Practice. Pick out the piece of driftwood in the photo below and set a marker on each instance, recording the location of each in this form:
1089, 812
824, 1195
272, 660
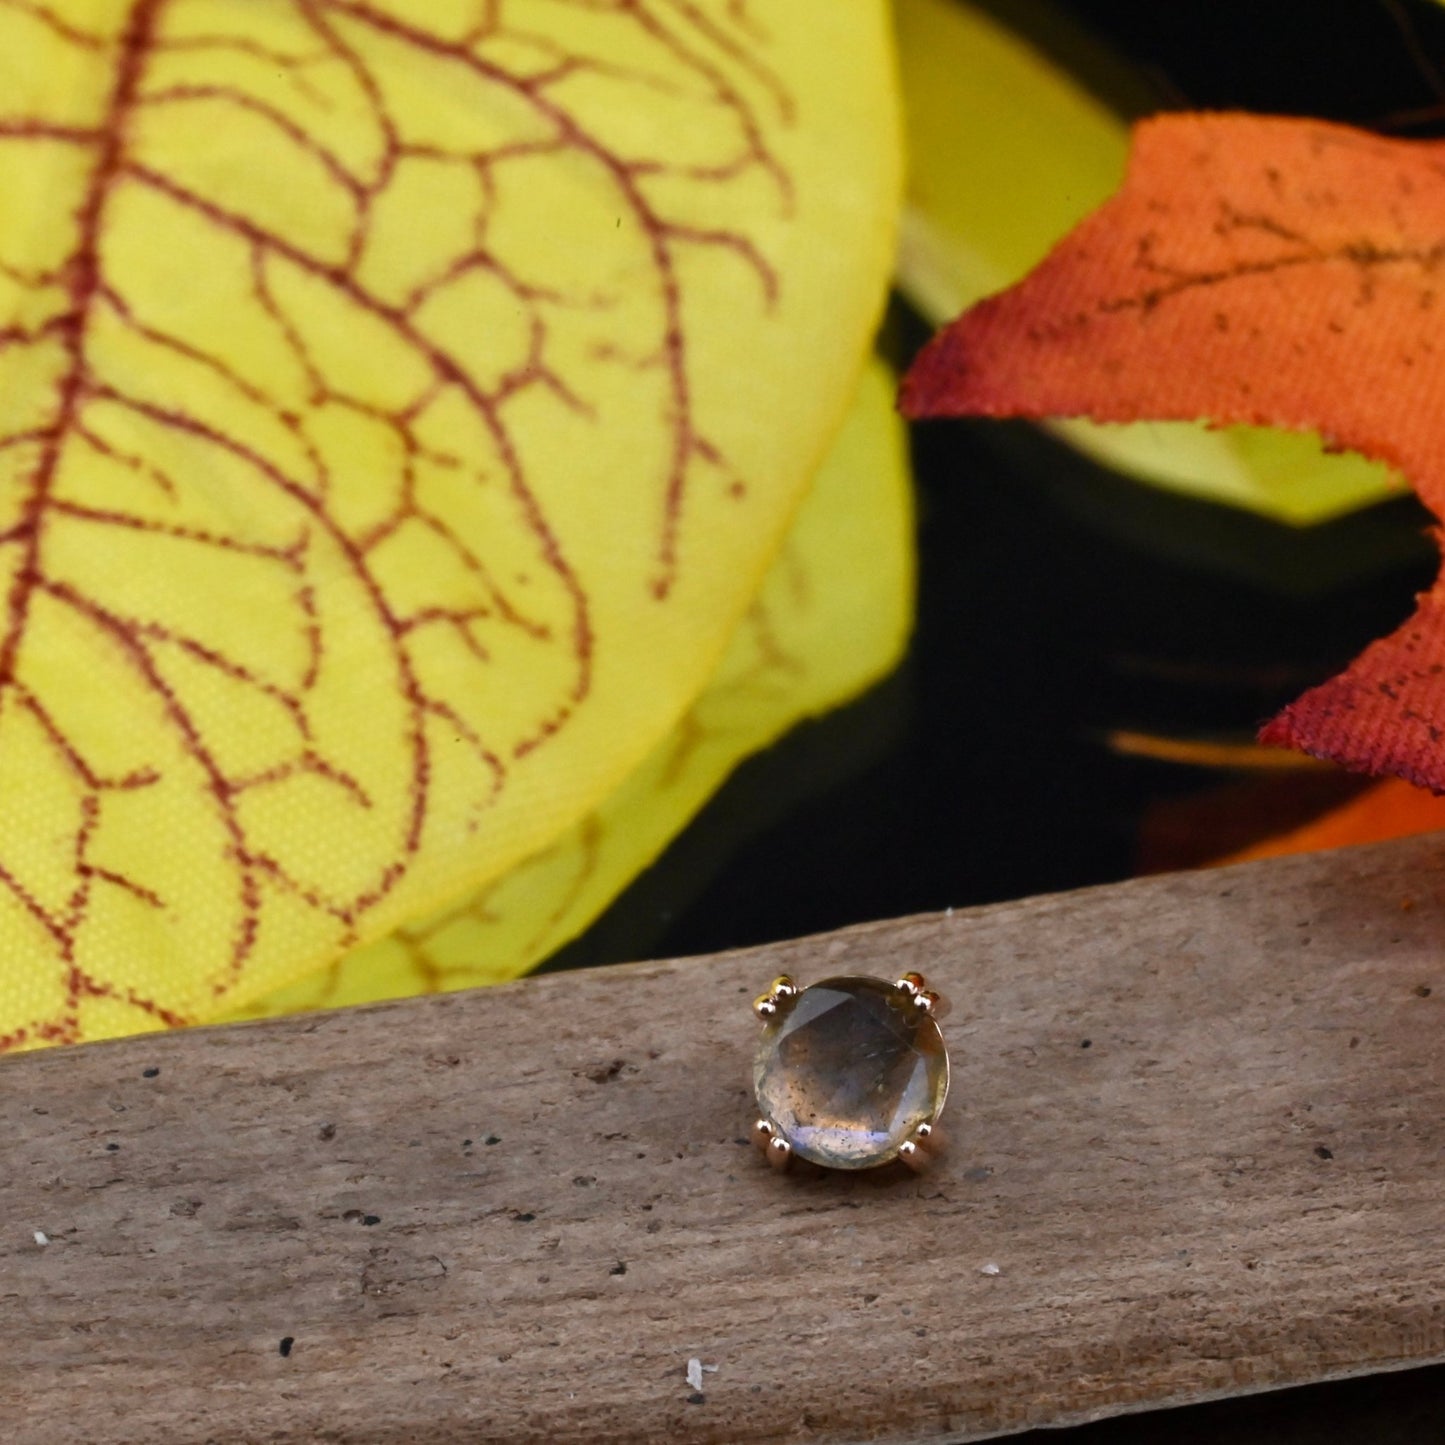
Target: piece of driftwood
1198, 1125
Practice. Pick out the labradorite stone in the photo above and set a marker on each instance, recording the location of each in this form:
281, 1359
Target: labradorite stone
849, 1071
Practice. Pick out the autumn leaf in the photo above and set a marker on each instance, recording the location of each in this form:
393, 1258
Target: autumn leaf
832, 616
1391, 808
400, 407
1280, 272
1006, 152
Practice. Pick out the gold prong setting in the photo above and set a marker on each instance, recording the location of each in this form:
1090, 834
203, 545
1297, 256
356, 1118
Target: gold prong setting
924, 1146
851, 1072
771, 1144
915, 987
775, 998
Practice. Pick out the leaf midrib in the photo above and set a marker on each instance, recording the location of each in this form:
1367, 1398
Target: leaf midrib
82, 272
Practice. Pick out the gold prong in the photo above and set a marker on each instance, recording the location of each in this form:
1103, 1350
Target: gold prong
933, 1004
923, 1148
782, 990
780, 1152
763, 1134
911, 984
930, 1138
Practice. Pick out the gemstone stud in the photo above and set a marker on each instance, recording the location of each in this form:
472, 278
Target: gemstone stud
850, 1073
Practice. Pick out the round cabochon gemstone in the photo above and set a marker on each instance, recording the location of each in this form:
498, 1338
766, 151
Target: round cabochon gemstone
849, 1070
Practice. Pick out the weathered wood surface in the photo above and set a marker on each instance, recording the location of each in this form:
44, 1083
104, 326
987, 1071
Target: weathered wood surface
1198, 1127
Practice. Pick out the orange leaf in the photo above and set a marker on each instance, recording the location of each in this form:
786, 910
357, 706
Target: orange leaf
1388, 809
1262, 271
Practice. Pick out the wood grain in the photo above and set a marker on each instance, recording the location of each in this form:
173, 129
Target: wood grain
1198, 1125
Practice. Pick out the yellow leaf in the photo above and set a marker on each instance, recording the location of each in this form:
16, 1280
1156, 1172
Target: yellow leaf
1007, 153
832, 617
400, 406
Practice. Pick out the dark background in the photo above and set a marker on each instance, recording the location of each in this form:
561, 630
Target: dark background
1058, 605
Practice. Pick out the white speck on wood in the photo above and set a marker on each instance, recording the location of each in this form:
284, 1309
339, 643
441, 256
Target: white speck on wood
989, 1268
41, 1237
694, 1374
